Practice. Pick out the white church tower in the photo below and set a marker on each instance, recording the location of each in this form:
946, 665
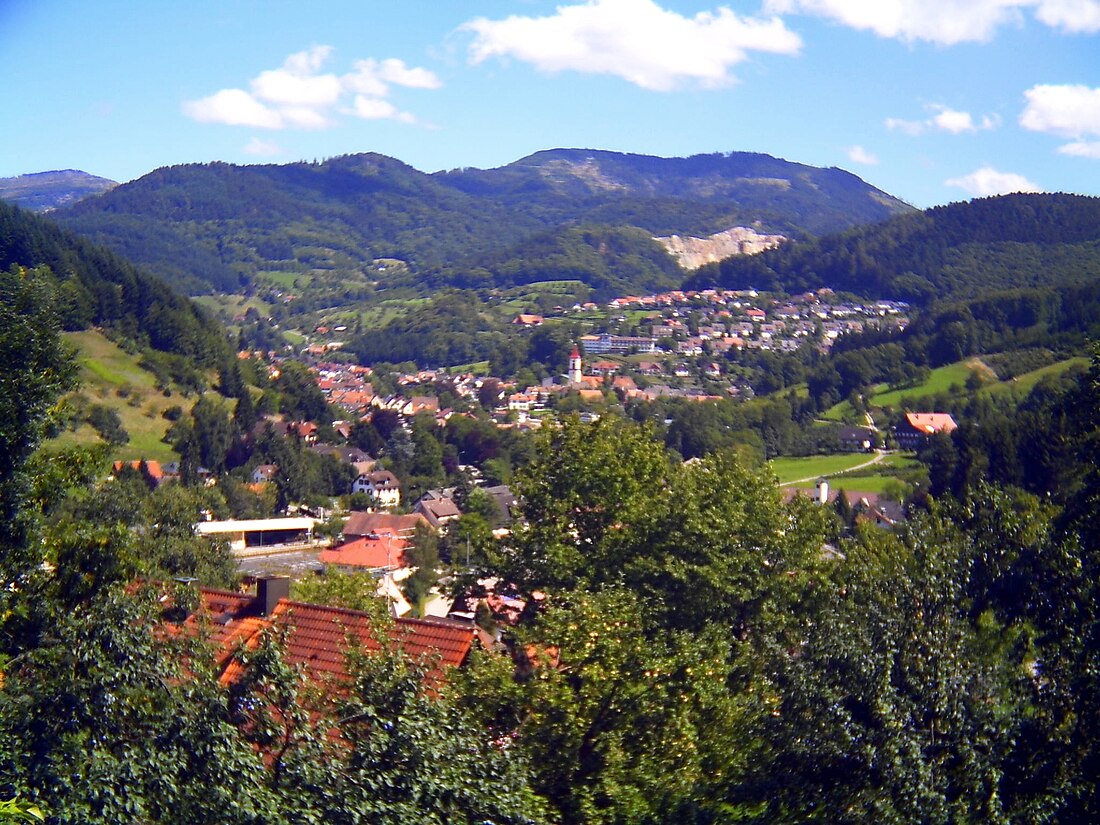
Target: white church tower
575, 366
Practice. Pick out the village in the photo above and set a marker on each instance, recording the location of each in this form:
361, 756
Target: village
673, 344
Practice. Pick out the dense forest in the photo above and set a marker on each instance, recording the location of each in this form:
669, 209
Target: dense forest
95, 287
947, 252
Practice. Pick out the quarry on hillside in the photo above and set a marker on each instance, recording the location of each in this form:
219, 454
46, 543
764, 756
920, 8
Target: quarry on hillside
692, 253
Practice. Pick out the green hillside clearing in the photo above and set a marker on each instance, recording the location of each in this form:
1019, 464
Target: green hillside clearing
111, 377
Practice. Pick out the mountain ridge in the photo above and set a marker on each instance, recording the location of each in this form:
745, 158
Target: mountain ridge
213, 227
46, 191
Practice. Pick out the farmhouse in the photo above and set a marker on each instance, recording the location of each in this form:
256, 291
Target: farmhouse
915, 428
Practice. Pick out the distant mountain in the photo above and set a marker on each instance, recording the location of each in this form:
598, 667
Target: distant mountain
949, 252
698, 195
45, 191
215, 227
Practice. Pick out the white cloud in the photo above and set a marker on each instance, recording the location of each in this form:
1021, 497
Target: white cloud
283, 88
234, 107
374, 78
944, 119
956, 122
396, 72
263, 148
857, 154
1070, 15
298, 95
988, 181
374, 108
309, 61
946, 22
1071, 111
909, 127
1082, 149
636, 40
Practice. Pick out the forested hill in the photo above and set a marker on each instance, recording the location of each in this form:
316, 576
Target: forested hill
97, 288
948, 252
213, 227
701, 194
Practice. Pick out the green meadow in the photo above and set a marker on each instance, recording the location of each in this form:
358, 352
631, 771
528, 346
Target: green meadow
111, 376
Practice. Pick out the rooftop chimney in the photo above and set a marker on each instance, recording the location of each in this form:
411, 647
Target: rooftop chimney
268, 592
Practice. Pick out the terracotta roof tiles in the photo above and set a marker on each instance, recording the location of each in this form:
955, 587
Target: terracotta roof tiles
319, 637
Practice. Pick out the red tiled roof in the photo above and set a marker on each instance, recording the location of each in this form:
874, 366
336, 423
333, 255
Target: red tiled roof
931, 422
152, 467
375, 553
318, 637
362, 524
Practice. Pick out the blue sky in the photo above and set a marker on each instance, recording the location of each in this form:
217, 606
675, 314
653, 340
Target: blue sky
931, 100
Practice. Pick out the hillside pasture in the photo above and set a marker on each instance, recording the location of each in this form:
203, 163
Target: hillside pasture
111, 376
941, 380
1023, 384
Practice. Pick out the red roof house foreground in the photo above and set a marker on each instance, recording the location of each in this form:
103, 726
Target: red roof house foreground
318, 637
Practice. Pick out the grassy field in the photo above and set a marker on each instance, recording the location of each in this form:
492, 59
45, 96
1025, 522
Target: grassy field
476, 368
941, 380
230, 306
1021, 385
285, 280
381, 314
837, 468
112, 377
789, 469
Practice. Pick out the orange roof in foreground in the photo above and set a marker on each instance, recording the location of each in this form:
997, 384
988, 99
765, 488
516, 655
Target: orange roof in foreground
318, 636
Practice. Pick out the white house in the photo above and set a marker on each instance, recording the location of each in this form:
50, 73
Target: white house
382, 484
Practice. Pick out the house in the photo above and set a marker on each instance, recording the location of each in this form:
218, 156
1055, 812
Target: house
527, 320
438, 493
264, 473
604, 367
374, 552
623, 383
348, 455
438, 511
317, 638
306, 430
856, 439
151, 471
382, 484
873, 508
604, 343
418, 404
520, 401
915, 428
361, 524
505, 501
